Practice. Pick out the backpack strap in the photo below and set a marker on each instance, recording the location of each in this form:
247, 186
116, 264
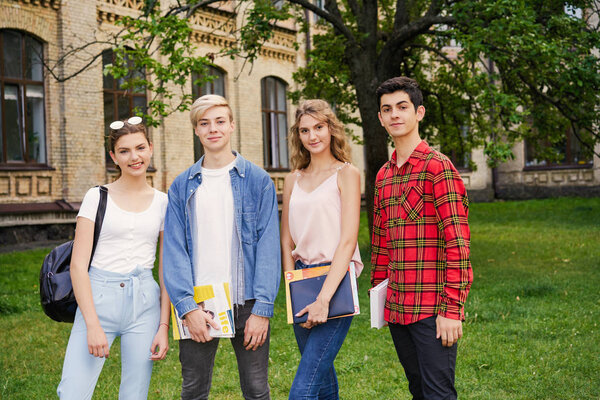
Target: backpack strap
99, 219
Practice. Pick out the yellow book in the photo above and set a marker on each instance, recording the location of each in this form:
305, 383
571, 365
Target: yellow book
215, 299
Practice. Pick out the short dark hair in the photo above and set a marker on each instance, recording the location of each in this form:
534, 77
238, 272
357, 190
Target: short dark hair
404, 84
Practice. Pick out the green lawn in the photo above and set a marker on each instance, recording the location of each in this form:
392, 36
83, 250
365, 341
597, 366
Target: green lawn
531, 331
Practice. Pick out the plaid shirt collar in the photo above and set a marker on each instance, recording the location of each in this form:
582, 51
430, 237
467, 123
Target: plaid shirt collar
419, 153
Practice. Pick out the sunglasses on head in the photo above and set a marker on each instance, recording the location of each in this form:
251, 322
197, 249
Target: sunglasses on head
119, 124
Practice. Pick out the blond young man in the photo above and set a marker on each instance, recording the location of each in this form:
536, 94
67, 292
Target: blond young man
222, 226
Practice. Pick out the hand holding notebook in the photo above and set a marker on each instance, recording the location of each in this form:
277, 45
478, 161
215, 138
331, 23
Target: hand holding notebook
303, 286
305, 292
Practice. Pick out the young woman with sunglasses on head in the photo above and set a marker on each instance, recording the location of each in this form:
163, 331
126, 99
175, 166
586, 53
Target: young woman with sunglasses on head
119, 296
319, 226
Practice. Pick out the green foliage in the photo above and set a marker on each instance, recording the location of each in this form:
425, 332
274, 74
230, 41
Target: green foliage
519, 66
519, 70
534, 263
257, 28
325, 78
160, 46
541, 58
156, 52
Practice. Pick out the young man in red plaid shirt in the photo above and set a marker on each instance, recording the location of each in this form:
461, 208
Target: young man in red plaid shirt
421, 243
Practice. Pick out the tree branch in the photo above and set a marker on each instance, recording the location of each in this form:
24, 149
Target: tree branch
434, 8
408, 32
62, 79
334, 18
401, 17
566, 113
439, 52
189, 9
420, 26
368, 19
575, 131
354, 8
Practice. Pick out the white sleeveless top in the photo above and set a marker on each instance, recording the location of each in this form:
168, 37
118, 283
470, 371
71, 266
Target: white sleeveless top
315, 223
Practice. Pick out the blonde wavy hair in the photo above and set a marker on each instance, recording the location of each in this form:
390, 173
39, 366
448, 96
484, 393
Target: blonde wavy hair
321, 111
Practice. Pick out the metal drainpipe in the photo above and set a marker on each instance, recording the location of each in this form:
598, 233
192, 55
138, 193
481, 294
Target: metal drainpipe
62, 107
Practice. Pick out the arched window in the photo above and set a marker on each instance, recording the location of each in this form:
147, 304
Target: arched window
23, 128
274, 120
119, 103
216, 86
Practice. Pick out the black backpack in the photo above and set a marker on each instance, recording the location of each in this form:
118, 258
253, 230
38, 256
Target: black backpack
56, 289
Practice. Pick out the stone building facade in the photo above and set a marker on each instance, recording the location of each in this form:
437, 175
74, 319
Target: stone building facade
54, 150
42, 184
525, 178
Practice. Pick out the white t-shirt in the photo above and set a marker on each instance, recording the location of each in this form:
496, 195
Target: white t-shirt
127, 239
213, 231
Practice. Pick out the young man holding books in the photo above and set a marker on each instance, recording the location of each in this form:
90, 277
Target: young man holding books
222, 226
421, 243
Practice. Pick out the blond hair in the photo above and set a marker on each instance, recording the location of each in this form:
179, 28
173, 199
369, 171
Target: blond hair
321, 111
202, 104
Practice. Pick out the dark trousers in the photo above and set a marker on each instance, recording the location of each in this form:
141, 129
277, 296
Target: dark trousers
197, 361
428, 365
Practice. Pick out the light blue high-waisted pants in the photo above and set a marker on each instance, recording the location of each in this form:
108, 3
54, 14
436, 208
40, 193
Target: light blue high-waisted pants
127, 306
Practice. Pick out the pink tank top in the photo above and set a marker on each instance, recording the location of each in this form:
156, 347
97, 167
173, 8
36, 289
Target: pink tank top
315, 223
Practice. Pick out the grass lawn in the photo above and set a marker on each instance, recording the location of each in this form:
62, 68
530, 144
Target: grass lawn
531, 330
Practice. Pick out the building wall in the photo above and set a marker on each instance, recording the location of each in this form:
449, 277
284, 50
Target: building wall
516, 181
43, 185
74, 117
479, 181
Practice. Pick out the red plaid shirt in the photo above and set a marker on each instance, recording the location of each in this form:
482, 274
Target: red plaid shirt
421, 237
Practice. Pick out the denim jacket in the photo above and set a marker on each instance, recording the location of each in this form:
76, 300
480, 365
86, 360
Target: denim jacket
256, 257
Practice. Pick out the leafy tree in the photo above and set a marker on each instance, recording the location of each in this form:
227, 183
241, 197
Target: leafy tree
493, 72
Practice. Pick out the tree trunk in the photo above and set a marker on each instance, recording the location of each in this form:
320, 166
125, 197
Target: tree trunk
363, 67
374, 137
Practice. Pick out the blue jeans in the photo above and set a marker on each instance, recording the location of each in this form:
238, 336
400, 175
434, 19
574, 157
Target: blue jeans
127, 306
316, 377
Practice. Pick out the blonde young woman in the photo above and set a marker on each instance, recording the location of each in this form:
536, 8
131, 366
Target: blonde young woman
320, 220
119, 296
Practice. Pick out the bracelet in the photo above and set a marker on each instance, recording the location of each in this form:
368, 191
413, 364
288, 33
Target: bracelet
163, 323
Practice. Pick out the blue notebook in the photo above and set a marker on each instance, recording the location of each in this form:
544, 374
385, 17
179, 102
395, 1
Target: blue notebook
305, 291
